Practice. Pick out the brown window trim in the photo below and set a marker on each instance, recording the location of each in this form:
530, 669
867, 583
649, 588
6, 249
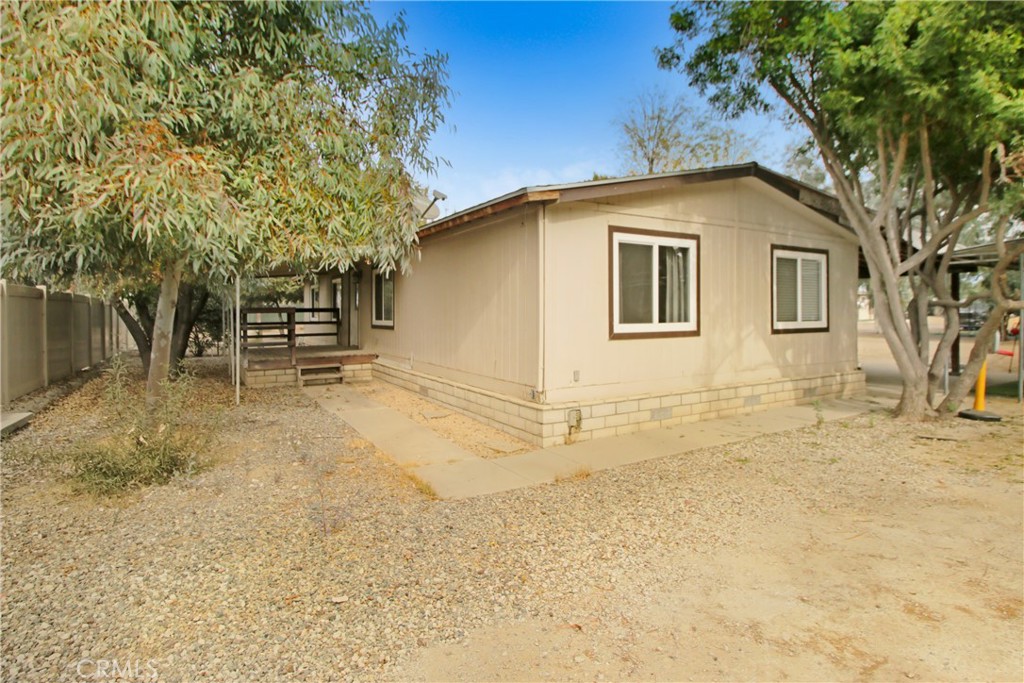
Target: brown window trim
612, 334
828, 291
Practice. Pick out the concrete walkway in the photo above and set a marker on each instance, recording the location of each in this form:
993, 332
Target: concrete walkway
453, 472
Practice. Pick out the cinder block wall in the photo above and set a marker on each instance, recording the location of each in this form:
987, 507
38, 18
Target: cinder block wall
552, 424
258, 377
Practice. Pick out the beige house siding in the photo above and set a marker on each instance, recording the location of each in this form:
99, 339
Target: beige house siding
507, 318
737, 222
469, 309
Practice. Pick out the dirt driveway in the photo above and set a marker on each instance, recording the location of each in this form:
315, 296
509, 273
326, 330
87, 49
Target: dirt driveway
909, 567
902, 563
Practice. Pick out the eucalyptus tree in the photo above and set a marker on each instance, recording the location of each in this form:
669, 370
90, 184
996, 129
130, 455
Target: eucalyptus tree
144, 143
924, 101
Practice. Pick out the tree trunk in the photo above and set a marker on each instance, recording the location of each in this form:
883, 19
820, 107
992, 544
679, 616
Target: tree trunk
142, 342
979, 354
163, 330
191, 302
940, 361
917, 312
142, 312
182, 326
198, 307
889, 313
914, 402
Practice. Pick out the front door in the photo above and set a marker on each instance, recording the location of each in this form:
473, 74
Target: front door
346, 300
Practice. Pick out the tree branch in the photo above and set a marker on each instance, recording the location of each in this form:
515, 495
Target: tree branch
931, 217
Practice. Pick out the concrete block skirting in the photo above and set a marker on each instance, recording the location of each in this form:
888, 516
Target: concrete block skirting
552, 424
272, 377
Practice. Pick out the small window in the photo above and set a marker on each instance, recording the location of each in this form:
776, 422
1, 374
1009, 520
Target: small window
799, 290
653, 284
383, 299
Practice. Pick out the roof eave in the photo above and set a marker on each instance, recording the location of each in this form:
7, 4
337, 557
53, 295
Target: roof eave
518, 198
821, 202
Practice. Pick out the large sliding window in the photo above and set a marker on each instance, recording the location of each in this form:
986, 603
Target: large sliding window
799, 289
654, 284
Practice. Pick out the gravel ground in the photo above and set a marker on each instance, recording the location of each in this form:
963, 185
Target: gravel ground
304, 554
40, 399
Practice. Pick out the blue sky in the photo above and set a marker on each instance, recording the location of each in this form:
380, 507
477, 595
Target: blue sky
538, 87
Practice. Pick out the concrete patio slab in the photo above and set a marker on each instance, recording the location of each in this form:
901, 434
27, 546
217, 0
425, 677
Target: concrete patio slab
538, 467
502, 445
407, 442
704, 434
761, 423
615, 451
469, 478
341, 396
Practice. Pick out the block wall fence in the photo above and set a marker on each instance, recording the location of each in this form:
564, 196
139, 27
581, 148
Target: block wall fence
48, 336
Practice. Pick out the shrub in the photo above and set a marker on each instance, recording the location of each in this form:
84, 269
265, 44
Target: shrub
143, 447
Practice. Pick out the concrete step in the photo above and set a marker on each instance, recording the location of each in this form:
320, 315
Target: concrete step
324, 373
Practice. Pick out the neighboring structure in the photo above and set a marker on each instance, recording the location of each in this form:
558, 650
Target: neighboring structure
591, 309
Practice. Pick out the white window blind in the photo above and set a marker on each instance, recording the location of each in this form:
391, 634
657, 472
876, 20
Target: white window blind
799, 289
786, 289
810, 290
636, 296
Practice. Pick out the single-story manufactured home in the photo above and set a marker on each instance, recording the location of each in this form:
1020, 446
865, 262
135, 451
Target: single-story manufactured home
583, 310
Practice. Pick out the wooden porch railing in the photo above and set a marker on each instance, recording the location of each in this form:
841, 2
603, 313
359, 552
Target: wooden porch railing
282, 331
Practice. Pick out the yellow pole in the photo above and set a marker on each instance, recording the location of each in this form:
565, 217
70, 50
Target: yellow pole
979, 412
979, 388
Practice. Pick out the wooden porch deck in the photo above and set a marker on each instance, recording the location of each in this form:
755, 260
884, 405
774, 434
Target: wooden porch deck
276, 358
273, 353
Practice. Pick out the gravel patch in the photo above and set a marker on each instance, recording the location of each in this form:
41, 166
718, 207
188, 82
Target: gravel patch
304, 554
41, 399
